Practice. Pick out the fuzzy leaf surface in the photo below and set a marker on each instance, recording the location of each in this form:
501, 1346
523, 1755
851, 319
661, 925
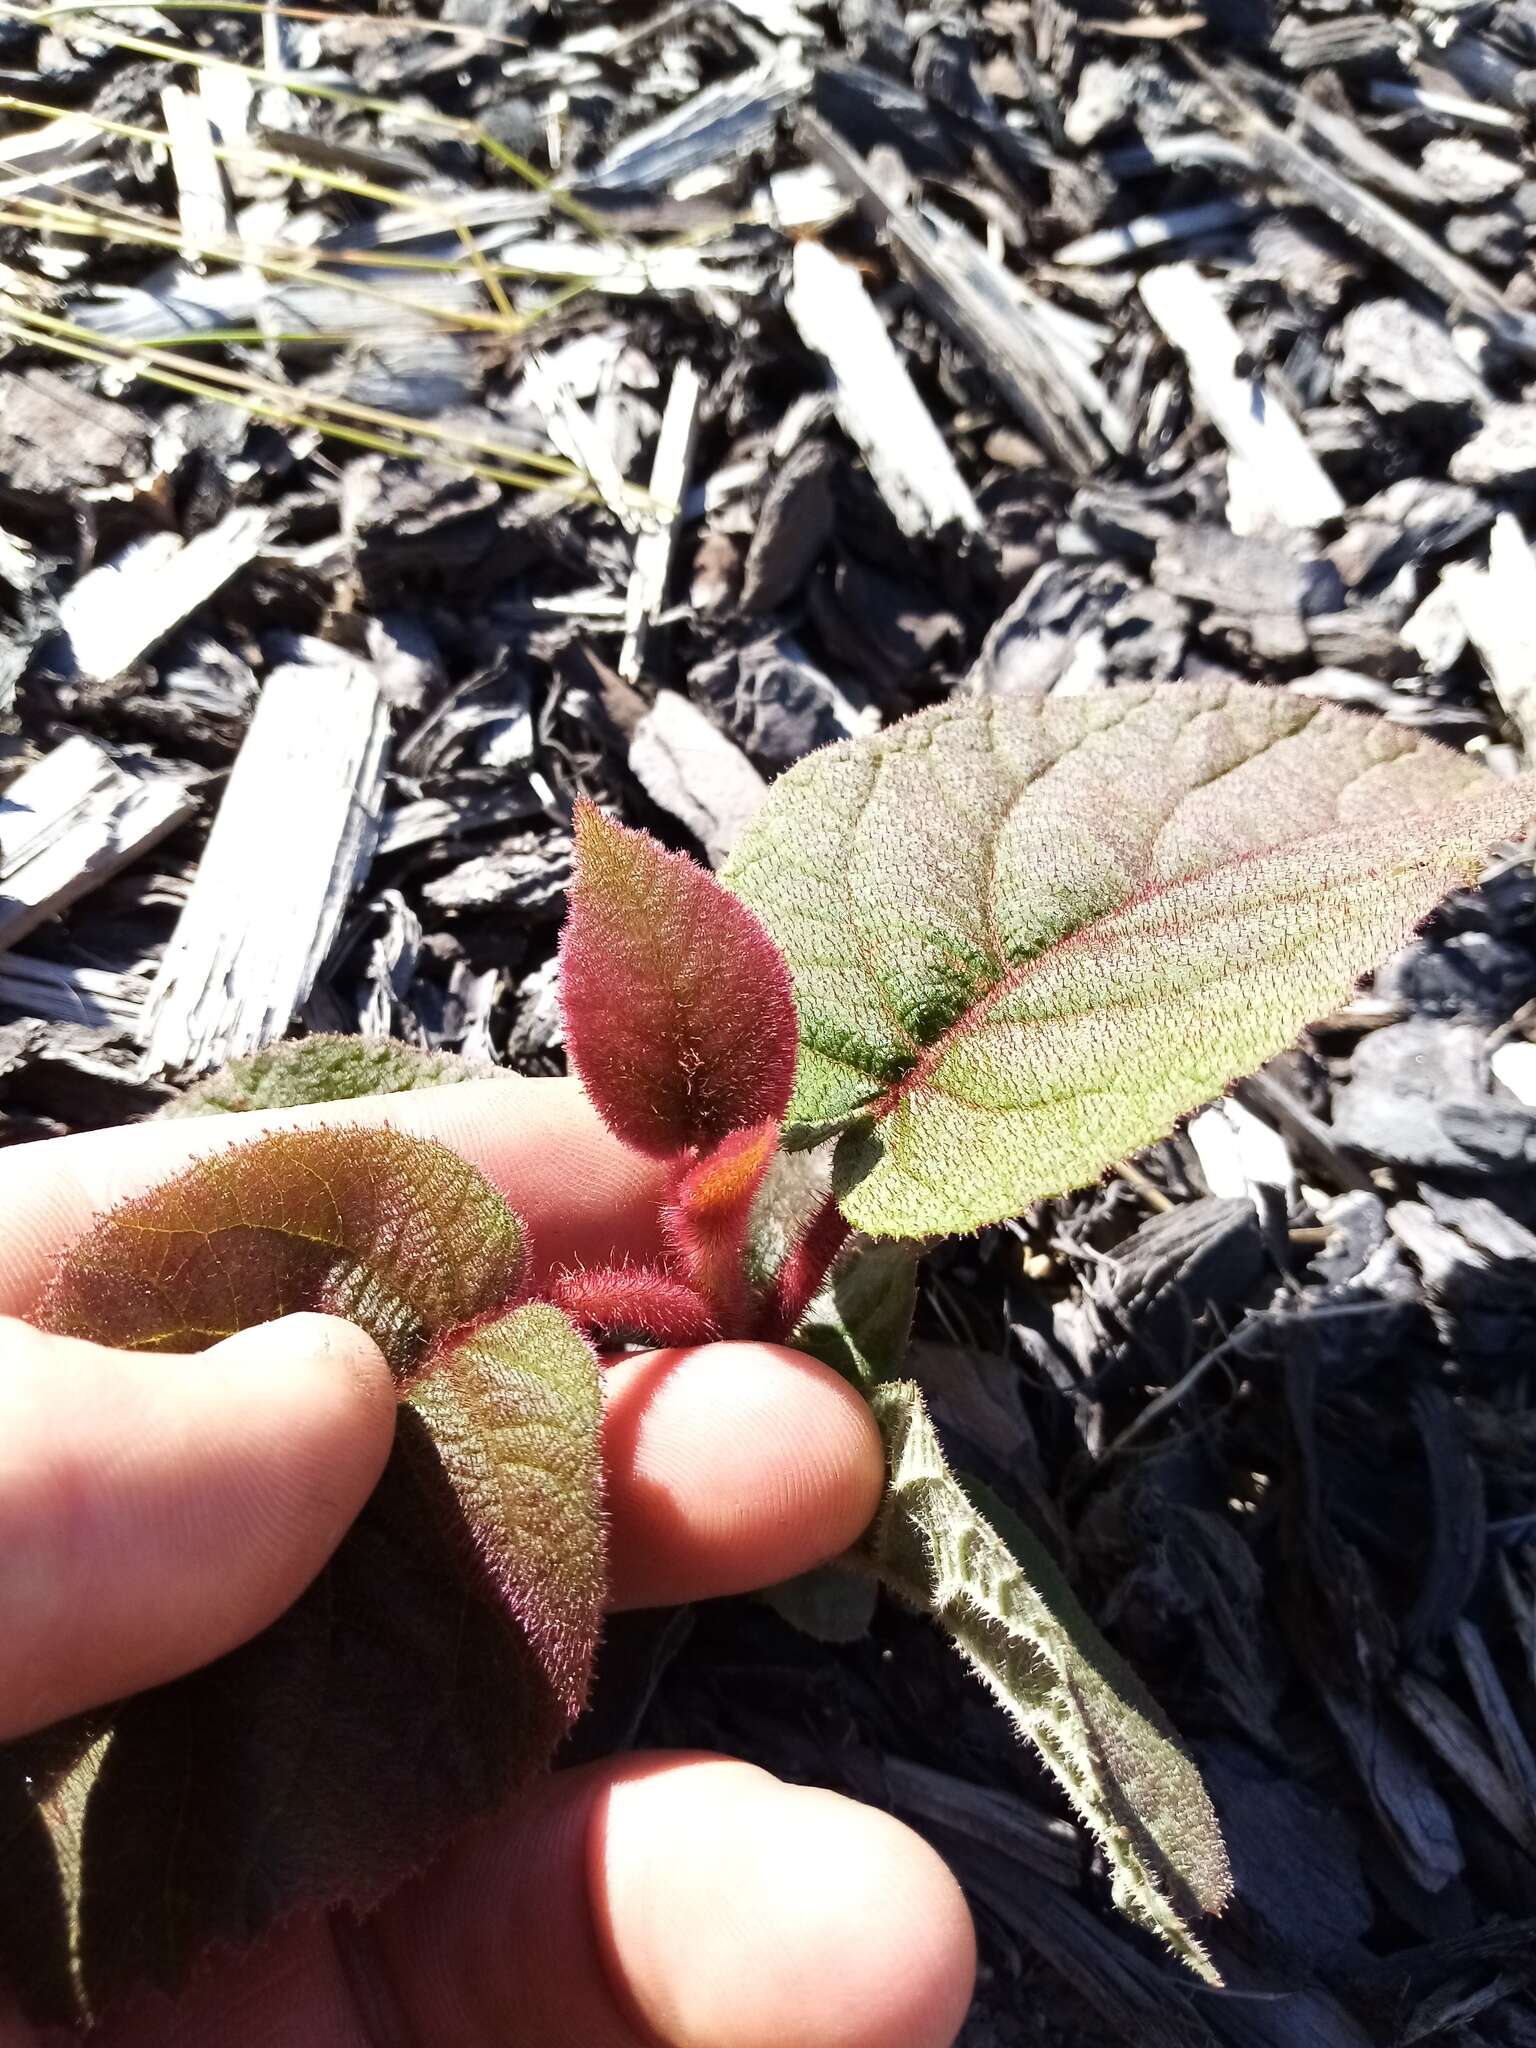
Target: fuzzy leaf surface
439, 1656
679, 1015
393, 1232
861, 1322
636, 1304
997, 1593
1022, 1631
1027, 935
328, 1067
706, 1221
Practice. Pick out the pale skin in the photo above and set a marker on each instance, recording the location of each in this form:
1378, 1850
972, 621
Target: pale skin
156, 1511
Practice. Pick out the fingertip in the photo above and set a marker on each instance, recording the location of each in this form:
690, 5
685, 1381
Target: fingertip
159, 1509
323, 1386
731, 1466
734, 1909
328, 1373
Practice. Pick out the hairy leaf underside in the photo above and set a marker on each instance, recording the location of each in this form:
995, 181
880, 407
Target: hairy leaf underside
1027, 935
999, 1596
324, 1068
1015, 1620
435, 1661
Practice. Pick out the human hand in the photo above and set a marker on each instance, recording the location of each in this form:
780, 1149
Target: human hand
156, 1511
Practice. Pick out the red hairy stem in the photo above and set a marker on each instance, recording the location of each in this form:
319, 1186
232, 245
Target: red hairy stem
808, 1264
706, 1221
636, 1301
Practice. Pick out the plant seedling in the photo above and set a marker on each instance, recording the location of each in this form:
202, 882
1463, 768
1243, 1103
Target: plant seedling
978, 959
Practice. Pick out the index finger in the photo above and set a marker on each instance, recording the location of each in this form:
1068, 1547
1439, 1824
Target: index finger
582, 1195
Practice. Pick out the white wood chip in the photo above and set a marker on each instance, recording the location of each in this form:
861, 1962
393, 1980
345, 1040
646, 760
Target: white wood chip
1388, 92
294, 836
228, 99
116, 613
201, 199
779, 18
1434, 631
1497, 607
18, 564
670, 470
1282, 475
691, 769
876, 400
56, 143
1239, 1153
1514, 1063
70, 822
1153, 230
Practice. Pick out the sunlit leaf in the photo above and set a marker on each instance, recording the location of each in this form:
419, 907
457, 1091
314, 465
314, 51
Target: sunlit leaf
325, 1068
1027, 935
435, 1661
677, 1006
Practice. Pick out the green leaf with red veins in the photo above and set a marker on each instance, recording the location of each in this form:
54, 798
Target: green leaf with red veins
443, 1651
1027, 935
678, 1012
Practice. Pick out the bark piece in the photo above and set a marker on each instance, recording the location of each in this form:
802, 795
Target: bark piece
689, 767
1403, 358
57, 439
1029, 350
1466, 172
1502, 452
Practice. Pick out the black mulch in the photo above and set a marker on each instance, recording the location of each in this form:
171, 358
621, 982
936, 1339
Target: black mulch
1281, 1430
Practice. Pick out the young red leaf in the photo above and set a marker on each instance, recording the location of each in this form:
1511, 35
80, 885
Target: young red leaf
443, 1651
706, 1220
643, 1302
679, 1016
809, 1261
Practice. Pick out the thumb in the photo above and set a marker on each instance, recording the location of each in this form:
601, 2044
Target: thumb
156, 1510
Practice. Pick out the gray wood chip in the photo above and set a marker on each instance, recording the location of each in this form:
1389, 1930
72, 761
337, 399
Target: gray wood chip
71, 822
293, 838
689, 767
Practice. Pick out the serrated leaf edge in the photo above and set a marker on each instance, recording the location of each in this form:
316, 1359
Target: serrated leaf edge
976, 1590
